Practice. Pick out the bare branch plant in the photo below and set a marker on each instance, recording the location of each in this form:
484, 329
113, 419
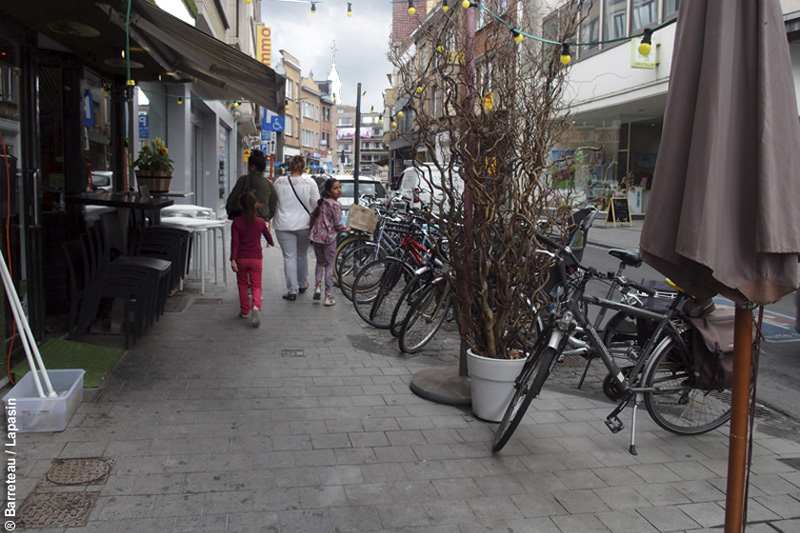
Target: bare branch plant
486, 112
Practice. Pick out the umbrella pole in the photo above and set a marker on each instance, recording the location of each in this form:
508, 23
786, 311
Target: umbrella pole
740, 403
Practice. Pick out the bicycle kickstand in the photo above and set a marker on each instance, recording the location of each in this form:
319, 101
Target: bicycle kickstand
636, 401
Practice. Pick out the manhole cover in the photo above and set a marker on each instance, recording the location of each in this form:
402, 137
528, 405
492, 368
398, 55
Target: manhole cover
57, 509
78, 471
292, 353
208, 301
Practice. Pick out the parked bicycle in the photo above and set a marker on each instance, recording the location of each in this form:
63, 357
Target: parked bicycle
664, 376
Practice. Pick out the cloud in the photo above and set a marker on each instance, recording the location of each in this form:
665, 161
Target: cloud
362, 42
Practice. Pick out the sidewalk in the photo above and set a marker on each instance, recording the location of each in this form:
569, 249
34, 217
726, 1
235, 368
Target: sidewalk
307, 424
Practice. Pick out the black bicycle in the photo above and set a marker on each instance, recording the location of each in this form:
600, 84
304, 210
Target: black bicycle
663, 376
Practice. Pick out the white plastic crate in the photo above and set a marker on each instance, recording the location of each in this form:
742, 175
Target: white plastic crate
35, 414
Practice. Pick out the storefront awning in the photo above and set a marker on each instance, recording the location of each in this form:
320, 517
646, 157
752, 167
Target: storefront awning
162, 47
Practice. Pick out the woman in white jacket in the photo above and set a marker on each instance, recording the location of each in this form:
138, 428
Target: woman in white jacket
297, 197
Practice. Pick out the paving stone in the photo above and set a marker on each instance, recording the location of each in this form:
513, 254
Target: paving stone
666, 519
354, 519
580, 522
708, 514
625, 522
580, 501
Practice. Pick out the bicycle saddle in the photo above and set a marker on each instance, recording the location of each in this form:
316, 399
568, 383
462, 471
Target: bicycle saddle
629, 257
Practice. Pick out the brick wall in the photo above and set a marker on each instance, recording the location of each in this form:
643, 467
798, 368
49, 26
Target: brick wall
403, 23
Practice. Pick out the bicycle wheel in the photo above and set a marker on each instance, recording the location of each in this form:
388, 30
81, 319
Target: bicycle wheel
527, 386
425, 317
353, 261
345, 247
376, 289
413, 290
620, 337
674, 403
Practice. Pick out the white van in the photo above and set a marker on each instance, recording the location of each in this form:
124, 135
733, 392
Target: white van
419, 185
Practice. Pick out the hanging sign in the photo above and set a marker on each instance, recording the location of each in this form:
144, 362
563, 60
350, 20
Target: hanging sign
641, 61
246, 156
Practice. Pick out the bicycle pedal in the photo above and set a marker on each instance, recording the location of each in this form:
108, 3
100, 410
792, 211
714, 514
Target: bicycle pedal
614, 424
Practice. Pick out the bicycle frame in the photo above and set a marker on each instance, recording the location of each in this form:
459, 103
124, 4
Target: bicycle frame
573, 321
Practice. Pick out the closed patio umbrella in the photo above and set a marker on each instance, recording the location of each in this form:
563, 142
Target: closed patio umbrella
722, 216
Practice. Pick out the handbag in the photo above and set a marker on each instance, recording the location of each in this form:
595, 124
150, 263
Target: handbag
289, 178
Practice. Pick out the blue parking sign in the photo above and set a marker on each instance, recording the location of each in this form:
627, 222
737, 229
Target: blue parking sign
144, 126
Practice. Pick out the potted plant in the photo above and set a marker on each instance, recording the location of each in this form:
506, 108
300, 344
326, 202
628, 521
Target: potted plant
154, 167
489, 131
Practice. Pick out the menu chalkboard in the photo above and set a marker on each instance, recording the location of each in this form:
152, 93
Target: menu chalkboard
619, 211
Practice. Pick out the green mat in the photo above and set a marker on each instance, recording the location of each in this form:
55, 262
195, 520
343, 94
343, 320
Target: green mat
97, 361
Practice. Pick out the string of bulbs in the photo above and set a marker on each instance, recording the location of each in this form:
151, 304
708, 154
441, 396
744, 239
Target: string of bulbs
644, 48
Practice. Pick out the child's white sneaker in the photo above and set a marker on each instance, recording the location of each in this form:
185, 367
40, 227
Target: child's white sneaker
329, 300
256, 317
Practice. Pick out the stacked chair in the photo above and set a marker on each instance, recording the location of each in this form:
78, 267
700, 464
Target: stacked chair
102, 267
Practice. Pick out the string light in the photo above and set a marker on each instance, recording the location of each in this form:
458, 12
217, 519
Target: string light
400, 114
565, 55
411, 9
445, 7
236, 104
394, 125
349, 10
380, 119
646, 45
313, 8
419, 89
247, 1
517, 35
180, 101
440, 49
466, 4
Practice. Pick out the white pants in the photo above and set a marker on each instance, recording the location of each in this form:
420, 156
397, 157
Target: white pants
294, 246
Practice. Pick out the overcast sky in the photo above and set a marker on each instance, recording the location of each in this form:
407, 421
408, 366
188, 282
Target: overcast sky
362, 42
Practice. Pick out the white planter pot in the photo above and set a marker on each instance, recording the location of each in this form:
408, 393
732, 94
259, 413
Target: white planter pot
492, 383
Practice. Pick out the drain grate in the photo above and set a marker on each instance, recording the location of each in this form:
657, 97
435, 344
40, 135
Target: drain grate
292, 353
79, 471
208, 301
57, 509
190, 290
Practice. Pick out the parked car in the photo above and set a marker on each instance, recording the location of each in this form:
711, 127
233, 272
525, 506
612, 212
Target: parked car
368, 185
103, 180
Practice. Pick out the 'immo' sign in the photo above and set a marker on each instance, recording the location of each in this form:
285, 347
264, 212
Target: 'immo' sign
264, 44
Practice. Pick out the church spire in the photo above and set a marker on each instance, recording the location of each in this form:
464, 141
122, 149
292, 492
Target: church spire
336, 81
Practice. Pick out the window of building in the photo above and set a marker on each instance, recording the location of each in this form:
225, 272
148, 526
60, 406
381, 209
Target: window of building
345, 122
590, 28
671, 7
644, 14
326, 114
325, 139
288, 127
615, 19
288, 88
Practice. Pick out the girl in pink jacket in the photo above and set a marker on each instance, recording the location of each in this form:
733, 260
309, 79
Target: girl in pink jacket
326, 227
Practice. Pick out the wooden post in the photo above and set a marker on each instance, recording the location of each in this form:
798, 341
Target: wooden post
740, 403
